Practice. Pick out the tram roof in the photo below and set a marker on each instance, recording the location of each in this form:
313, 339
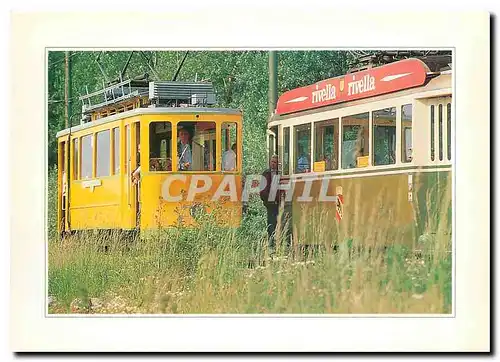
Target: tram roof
154, 110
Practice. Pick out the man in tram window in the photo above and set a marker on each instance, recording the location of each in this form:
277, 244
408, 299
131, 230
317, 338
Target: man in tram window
229, 159
184, 151
272, 206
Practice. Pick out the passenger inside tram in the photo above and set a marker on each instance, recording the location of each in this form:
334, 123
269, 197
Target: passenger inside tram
303, 161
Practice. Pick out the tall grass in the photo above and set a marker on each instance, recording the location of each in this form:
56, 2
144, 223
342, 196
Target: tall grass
217, 270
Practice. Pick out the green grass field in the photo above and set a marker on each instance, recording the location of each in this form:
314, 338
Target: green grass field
216, 270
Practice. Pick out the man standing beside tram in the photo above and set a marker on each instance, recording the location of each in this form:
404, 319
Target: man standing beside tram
271, 202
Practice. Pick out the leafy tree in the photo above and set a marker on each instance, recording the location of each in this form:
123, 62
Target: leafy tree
240, 79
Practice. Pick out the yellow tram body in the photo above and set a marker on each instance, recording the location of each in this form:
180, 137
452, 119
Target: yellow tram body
379, 199
96, 160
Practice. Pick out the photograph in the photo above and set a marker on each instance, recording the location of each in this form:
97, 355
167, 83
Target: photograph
250, 181
204, 179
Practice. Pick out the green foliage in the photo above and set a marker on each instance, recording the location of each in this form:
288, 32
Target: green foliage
240, 79
206, 271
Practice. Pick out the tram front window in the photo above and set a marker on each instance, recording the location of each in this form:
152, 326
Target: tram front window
273, 137
196, 146
160, 146
286, 151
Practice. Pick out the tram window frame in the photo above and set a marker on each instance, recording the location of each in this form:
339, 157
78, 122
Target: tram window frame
272, 142
64, 158
160, 164
433, 151
362, 143
270, 146
128, 152
448, 130
286, 151
375, 127
191, 128
103, 153
440, 130
297, 155
332, 163
87, 151
76, 154
406, 152
116, 150
229, 139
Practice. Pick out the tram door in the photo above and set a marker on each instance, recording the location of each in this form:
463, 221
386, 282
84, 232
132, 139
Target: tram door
433, 189
63, 182
132, 150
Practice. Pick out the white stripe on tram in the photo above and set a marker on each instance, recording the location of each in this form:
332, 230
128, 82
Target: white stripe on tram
368, 174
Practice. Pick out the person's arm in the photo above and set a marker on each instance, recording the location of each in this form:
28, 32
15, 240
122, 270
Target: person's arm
136, 174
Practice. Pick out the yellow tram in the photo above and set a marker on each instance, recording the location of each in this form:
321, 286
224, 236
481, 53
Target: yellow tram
381, 142
139, 149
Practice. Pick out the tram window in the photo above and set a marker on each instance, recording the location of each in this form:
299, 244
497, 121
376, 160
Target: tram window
62, 147
128, 170
193, 146
286, 151
87, 154
448, 129
384, 136
229, 159
273, 142
355, 141
270, 145
432, 132
116, 150
277, 149
406, 136
75, 159
103, 154
440, 132
302, 151
326, 135
160, 146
